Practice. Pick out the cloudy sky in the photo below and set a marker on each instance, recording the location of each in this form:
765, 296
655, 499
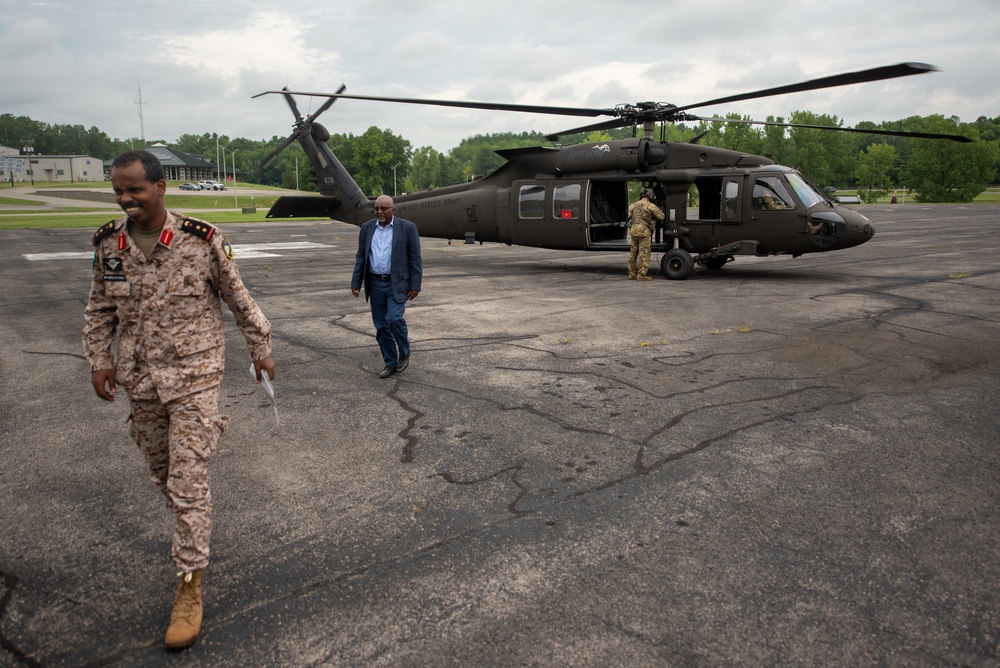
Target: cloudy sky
82, 62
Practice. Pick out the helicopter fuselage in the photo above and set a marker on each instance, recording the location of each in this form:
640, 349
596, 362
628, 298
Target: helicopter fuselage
717, 203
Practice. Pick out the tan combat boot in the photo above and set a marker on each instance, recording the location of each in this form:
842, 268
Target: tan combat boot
185, 621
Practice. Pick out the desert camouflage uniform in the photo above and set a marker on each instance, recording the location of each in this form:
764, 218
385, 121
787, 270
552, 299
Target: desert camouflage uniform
166, 313
644, 215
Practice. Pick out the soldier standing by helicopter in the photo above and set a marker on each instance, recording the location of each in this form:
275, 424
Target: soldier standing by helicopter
643, 215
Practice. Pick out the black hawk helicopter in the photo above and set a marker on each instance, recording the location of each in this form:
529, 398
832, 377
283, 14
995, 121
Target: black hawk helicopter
576, 197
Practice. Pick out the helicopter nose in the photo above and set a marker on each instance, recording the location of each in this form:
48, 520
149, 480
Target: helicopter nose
859, 228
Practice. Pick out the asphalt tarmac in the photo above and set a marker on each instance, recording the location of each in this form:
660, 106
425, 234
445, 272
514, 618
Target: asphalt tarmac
787, 462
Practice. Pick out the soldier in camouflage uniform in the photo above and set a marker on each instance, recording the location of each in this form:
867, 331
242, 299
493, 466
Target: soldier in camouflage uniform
158, 279
644, 215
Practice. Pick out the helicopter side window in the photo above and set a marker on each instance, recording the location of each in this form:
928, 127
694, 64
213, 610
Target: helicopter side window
531, 202
730, 199
770, 193
566, 201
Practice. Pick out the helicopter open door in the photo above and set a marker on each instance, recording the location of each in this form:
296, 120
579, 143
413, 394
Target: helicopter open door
549, 214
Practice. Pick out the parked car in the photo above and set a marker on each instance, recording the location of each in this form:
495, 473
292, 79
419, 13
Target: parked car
190, 186
211, 185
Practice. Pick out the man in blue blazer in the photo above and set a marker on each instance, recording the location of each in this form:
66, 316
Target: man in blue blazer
388, 264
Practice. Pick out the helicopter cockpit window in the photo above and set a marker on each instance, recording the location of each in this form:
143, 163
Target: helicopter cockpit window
531, 202
770, 193
566, 201
804, 190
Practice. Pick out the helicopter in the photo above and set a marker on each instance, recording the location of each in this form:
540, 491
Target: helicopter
576, 197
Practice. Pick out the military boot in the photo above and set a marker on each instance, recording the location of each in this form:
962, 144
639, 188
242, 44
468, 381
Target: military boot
185, 621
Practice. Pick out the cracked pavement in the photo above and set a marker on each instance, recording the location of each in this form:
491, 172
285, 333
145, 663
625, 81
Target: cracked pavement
787, 462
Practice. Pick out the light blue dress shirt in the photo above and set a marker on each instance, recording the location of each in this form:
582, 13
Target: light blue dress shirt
380, 260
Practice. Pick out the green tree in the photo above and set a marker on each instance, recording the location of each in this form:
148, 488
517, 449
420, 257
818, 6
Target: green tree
742, 137
989, 130
873, 172
947, 171
477, 155
822, 156
774, 143
200, 145
425, 170
370, 158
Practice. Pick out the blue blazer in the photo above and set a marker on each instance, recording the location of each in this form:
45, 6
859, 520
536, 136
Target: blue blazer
407, 270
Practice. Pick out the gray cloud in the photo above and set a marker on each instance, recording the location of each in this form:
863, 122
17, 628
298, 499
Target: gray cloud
200, 63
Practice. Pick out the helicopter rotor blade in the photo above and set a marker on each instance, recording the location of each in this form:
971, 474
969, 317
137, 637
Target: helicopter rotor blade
863, 76
628, 114
326, 105
461, 104
291, 103
274, 154
890, 133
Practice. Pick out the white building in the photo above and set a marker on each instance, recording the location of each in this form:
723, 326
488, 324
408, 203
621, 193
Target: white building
49, 168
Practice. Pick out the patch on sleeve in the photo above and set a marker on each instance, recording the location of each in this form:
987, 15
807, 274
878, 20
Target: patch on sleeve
228, 247
104, 231
113, 264
198, 228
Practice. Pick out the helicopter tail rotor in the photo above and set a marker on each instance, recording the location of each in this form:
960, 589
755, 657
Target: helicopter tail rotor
304, 127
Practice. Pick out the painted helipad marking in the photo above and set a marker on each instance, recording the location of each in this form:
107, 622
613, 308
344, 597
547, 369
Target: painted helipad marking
241, 252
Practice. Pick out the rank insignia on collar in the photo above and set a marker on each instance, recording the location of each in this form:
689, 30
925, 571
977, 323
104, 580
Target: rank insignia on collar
198, 228
113, 264
166, 237
122, 241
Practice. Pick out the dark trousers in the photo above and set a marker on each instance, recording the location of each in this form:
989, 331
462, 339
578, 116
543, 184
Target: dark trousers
390, 327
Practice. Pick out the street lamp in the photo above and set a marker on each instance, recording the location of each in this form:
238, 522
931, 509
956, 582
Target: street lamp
233, 153
29, 151
394, 179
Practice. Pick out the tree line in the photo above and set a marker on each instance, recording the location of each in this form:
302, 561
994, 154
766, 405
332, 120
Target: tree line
384, 162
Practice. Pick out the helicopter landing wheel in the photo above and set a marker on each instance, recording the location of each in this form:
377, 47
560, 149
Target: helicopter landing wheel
716, 263
677, 264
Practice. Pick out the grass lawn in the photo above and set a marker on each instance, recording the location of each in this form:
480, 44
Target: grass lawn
216, 207
16, 201
95, 220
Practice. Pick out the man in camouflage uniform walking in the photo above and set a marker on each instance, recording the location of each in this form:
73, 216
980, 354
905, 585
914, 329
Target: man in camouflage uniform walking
644, 215
158, 279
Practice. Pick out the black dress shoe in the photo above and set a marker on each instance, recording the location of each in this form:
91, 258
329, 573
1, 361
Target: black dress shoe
403, 363
388, 371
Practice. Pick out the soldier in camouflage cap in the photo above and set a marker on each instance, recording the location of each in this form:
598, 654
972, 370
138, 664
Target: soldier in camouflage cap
158, 280
644, 215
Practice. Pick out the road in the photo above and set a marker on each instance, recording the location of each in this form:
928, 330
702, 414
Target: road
788, 462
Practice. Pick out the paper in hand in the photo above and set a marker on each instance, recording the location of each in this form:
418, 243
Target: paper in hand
265, 382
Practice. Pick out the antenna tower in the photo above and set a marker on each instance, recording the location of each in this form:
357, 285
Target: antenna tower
138, 105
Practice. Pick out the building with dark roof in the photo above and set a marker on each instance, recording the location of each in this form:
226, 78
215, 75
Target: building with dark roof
178, 166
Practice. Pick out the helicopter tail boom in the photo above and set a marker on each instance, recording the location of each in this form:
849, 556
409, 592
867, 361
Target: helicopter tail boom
342, 198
